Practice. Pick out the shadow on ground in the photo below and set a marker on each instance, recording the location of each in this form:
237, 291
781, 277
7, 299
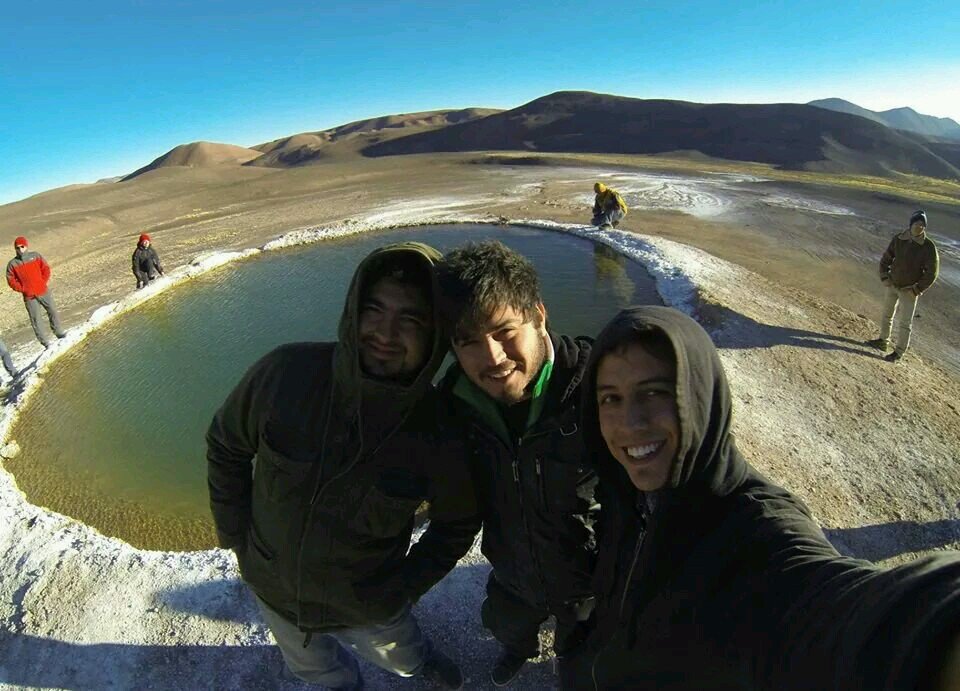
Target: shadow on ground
16, 387
449, 615
731, 329
879, 542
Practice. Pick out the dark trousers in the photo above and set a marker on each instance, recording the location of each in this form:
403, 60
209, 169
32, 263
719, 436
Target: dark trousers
45, 302
515, 623
512, 621
7, 360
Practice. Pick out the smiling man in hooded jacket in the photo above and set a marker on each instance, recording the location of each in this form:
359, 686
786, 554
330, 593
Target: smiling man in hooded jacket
346, 450
711, 577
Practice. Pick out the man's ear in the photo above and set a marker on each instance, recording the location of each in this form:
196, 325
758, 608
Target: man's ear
541, 320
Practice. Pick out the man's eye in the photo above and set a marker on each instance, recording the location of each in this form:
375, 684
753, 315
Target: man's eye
607, 399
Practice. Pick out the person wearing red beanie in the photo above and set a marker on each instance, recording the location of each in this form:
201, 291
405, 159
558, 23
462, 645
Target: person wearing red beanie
28, 274
146, 262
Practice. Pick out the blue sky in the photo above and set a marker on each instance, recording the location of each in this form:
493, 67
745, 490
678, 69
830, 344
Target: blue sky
95, 89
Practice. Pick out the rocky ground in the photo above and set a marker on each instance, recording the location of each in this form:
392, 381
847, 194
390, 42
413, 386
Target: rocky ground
872, 447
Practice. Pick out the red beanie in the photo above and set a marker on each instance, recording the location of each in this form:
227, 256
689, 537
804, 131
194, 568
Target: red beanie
20, 241
143, 236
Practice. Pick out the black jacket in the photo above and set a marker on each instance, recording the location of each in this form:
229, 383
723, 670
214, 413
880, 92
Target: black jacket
146, 263
537, 495
322, 518
723, 580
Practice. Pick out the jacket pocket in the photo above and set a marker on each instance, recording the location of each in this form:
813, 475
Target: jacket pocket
284, 461
383, 516
256, 560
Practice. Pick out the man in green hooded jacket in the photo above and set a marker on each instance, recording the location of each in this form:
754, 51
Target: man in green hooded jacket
317, 464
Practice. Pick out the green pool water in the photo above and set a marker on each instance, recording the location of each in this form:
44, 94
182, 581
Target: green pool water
115, 436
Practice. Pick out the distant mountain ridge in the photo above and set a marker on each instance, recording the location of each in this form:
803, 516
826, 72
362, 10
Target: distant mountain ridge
898, 118
788, 135
310, 147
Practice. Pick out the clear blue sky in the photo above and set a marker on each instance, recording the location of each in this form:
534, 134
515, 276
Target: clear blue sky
92, 89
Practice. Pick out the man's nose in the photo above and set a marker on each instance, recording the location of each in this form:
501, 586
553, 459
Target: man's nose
492, 351
388, 326
636, 416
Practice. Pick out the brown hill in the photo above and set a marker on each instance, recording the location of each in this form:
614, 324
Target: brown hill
349, 139
787, 135
199, 155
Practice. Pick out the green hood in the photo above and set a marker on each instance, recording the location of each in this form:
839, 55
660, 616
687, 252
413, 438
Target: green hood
350, 386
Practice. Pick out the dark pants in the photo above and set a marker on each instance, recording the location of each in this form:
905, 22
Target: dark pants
144, 279
515, 623
46, 302
512, 621
7, 360
611, 216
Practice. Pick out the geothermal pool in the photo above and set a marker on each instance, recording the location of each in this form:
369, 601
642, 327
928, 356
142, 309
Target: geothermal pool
115, 435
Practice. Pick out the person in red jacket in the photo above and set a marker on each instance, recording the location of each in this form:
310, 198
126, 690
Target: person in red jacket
28, 274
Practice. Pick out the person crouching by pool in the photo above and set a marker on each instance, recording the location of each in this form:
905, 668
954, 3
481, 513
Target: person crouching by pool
711, 577
146, 262
346, 451
608, 207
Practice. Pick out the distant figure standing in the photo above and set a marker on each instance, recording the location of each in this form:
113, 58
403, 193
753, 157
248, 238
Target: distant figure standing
146, 263
608, 207
28, 273
908, 267
7, 361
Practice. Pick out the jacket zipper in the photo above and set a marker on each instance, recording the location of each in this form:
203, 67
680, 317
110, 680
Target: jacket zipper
541, 483
321, 486
623, 601
633, 565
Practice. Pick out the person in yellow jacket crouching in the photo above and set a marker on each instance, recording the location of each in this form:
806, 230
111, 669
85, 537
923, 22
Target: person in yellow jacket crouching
608, 207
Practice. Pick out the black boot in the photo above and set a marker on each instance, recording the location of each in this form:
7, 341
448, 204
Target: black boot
443, 671
507, 667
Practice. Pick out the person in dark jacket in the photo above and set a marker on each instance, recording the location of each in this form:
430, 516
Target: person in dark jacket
146, 262
513, 393
28, 273
909, 266
711, 577
347, 448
